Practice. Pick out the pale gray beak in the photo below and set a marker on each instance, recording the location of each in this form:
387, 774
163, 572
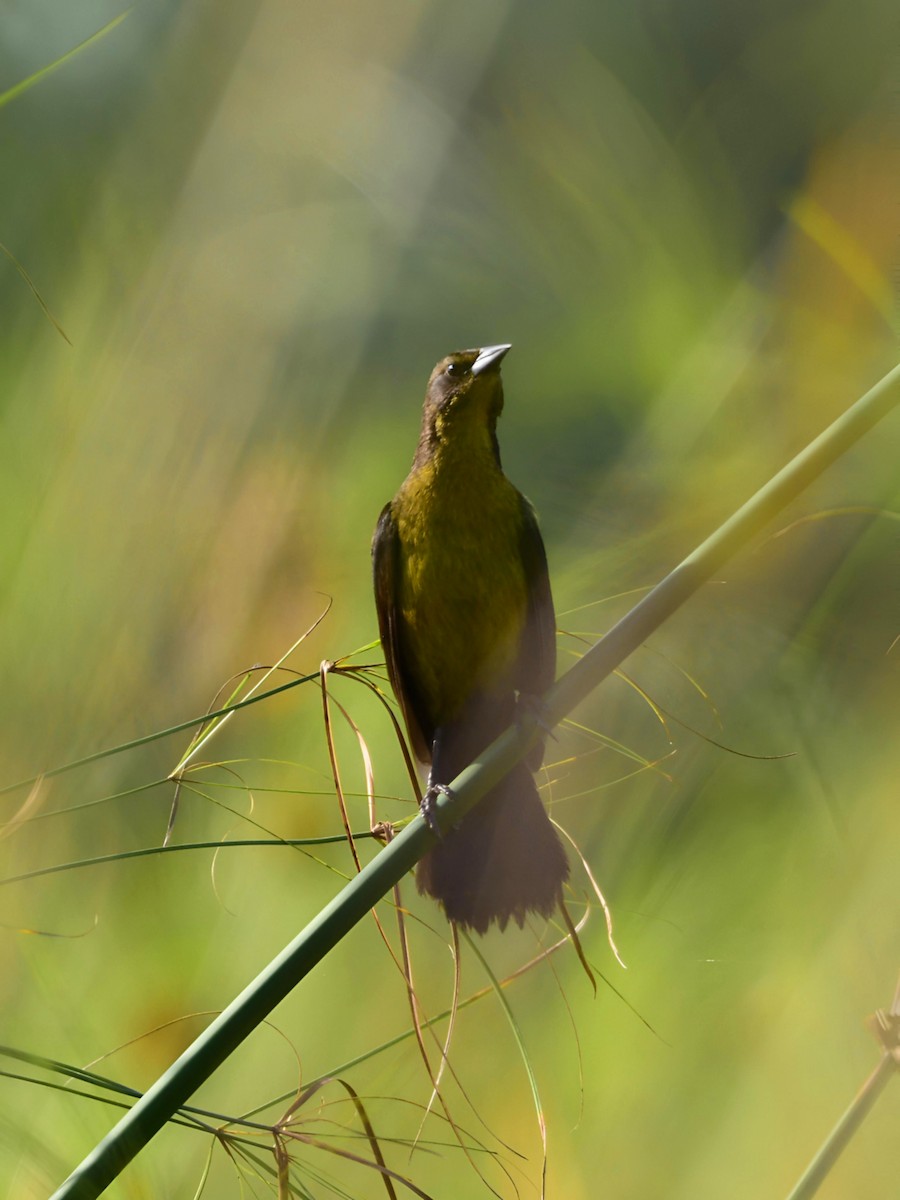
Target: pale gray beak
489, 356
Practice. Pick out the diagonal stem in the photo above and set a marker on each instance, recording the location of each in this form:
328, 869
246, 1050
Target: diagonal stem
254, 1004
840, 1136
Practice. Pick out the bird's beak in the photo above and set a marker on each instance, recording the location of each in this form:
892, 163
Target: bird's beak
489, 356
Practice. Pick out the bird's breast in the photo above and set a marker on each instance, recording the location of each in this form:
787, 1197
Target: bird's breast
463, 594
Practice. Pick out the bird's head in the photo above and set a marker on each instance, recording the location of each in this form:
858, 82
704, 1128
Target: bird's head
464, 399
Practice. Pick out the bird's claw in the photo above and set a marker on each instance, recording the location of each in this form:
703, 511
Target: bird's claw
428, 805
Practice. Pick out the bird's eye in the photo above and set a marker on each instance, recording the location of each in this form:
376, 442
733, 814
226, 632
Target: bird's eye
455, 368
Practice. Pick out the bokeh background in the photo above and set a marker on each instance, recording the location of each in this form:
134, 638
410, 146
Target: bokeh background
260, 224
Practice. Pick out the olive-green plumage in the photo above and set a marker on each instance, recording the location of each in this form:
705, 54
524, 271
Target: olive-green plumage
466, 619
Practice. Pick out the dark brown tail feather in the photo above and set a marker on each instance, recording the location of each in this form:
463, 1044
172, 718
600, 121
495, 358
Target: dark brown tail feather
504, 859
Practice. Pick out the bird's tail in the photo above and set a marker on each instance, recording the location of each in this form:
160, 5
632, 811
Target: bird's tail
503, 860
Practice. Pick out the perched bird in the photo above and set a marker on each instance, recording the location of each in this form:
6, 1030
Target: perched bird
467, 624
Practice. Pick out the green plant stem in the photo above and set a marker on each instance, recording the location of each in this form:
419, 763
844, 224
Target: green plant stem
14, 92
831, 1149
707, 559
135, 743
153, 851
254, 1004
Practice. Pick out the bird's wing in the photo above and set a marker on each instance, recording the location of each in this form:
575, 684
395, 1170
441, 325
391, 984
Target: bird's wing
385, 565
536, 668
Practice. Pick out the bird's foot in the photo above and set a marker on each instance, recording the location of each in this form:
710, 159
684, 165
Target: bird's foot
428, 805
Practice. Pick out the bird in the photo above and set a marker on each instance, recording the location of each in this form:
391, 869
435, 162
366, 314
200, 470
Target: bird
467, 624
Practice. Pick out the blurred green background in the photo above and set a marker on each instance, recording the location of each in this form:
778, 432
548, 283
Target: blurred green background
260, 224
